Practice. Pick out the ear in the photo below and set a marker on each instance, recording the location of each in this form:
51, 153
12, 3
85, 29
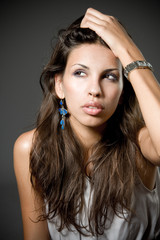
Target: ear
59, 86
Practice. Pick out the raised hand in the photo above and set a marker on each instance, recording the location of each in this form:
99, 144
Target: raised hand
113, 33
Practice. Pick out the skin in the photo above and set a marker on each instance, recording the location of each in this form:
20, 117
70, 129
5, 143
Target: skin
96, 88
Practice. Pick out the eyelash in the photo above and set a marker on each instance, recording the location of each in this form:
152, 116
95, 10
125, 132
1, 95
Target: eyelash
78, 72
114, 76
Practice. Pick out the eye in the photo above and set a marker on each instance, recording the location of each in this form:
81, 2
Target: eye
111, 76
79, 73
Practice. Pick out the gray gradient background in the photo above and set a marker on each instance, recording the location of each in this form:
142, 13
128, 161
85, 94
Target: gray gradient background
27, 29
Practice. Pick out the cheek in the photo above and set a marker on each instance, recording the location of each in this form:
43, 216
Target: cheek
73, 94
71, 90
114, 94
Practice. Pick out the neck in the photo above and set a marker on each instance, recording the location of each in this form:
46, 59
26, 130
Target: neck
88, 135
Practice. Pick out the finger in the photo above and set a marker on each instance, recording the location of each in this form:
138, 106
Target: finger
93, 19
99, 29
108, 18
96, 13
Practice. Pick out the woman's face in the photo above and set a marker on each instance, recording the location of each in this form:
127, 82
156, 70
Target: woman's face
91, 85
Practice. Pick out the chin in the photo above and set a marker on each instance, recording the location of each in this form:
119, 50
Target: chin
90, 122
95, 124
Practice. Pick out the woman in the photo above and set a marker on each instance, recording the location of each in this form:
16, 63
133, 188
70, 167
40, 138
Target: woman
89, 169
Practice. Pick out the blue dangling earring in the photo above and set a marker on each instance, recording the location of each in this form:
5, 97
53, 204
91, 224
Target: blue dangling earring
63, 112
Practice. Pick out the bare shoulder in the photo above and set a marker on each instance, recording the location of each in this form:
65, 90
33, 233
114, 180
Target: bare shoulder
21, 150
24, 141
147, 161
147, 147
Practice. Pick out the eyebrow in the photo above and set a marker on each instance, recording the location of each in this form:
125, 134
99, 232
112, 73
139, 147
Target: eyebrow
81, 65
106, 70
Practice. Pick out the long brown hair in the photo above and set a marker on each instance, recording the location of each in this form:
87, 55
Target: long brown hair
57, 167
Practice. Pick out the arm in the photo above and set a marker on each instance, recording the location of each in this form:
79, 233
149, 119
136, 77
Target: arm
142, 80
32, 230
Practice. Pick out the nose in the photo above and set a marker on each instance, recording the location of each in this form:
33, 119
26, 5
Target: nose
95, 91
94, 94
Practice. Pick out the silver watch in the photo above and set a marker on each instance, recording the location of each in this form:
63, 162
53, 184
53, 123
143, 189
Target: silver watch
136, 64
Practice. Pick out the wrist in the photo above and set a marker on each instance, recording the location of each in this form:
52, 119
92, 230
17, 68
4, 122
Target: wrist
129, 55
137, 65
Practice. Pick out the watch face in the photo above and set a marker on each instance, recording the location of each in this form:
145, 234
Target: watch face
132, 66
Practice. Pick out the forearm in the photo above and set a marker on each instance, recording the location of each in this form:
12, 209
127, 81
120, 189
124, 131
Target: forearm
147, 90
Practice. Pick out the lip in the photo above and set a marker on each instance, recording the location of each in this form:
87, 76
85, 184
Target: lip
93, 108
